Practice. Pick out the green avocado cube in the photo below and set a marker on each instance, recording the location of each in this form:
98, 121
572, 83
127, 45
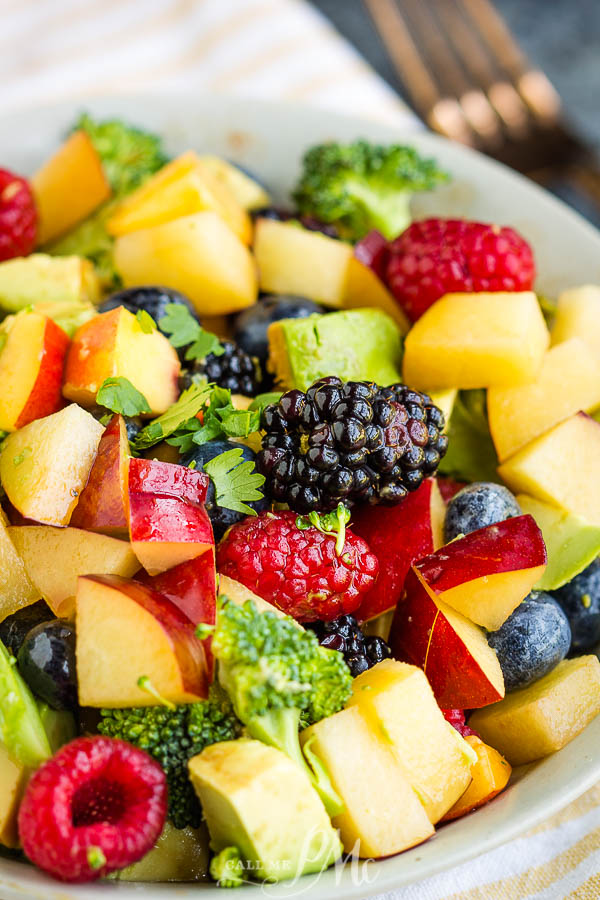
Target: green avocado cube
354, 344
21, 728
39, 278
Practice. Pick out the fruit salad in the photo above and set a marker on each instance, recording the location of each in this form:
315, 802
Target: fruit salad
300, 512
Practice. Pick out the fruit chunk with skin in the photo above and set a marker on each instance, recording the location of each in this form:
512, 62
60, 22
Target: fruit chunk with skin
477, 506
44, 279
470, 341
355, 345
461, 667
363, 288
55, 557
399, 706
540, 470
487, 573
490, 775
168, 523
540, 719
32, 354
179, 854
125, 631
403, 534
114, 344
68, 187
578, 315
382, 813
104, 502
256, 799
13, 781
568, 381
18, 589
197, 255
45, 465
571, 542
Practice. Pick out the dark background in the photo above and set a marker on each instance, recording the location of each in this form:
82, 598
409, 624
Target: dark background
562, 37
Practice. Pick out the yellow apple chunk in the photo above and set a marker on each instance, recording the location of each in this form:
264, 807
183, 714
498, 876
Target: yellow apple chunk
578, 315
562, 467
198, 255
399, 704
114, 344
538, 720
13, 781
382, 814
248, 192
55, 557
45, 465
476, 341
17, 588
68, 187
363, 288
490, 776
568, 381
237, 593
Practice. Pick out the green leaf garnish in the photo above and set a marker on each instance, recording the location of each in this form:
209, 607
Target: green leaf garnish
236, 482
261, 401
181, 413
185, 331
146, 322
120, 396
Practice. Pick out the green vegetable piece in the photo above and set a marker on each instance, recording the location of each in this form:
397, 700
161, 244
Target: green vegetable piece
471, 455
227, 868
59, 725
145, 321
21, 727
354, 344
363, 186
182, 413
69, 316
41, 279
180, 854
236, 482
185, 331
120, 396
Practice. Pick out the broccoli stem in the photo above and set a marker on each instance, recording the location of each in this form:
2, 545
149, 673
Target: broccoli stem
388, 211
279, 728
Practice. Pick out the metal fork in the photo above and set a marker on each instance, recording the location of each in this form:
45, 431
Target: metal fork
467, 78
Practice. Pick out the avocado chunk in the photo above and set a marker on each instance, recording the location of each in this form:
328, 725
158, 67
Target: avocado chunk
40, 278
571, 542
59, 725
68, 315
178, 855
354, 344
21, 728
257, 799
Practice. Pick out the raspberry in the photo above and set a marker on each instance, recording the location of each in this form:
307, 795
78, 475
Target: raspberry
98, 805
299, 569
18, 216
456, 717
439, 256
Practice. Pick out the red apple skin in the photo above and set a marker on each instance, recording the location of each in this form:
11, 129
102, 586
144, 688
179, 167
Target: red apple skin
153, 517
104, 502
507, 546
46, 397
151, 476
14, 516
449, 487
422, 635
397, 536
188, 650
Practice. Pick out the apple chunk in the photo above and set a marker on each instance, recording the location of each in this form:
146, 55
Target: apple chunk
487, 573
114, 344
18, 589
126, 631
31, 368
55, 557
13, 781
578, 315
407, 532
462, 668
103, 504
382, 813
45, 465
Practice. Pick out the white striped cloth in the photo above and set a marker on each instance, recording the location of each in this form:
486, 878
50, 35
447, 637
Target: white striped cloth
275, 49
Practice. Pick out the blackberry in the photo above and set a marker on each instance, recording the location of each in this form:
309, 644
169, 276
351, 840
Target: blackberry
233, 369
344, 634
352, 441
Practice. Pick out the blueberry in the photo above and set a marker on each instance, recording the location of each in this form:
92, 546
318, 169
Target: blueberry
580, 600
14, 628
477, 506
46, 661
250, 327
532, 641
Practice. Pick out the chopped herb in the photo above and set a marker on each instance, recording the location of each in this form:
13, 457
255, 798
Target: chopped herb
236, 482
261, 401
146, 322
120, 396
185, 331
180, 415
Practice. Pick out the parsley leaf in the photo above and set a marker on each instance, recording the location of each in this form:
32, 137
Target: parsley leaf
120, 396
261, 401
235, 481
181, 413
220, 420
185, 331
145, 320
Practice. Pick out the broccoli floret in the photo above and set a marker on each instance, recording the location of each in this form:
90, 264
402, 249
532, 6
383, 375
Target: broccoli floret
172, 736
129, 155
227, 869
279, 679
362, 186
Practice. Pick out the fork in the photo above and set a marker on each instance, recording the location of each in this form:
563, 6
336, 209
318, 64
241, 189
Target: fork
468, 79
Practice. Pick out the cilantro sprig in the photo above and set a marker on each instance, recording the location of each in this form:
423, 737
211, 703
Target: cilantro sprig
236, 482
177, 416
184, 330
120, 396
220, 419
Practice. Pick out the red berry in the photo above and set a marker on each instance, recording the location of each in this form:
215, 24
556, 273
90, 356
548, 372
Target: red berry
18, 216
439, 256
456, 717
298, 570
98, 805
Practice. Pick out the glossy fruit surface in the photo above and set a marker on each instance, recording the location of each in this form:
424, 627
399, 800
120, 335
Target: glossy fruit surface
46, 661
14, 628
18, 216
477, 506
580, 601
250, 326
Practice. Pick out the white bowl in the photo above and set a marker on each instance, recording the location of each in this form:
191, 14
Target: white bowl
270, 139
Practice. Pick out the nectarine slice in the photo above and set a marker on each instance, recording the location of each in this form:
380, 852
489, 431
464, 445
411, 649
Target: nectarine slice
18, 589
490, 775
104, 502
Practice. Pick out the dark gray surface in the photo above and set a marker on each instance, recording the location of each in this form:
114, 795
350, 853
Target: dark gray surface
562, 37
